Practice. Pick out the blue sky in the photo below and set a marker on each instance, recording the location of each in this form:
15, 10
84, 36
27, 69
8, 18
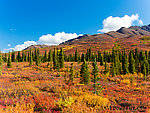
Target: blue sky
28, 20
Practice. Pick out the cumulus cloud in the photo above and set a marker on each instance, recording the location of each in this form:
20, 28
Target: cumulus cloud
114, 23
20, 47
46, 40
56, 39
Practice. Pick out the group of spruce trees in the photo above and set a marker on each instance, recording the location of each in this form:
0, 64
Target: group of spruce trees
116, 62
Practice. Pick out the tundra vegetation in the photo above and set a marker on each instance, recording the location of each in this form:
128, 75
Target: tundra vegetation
53, 82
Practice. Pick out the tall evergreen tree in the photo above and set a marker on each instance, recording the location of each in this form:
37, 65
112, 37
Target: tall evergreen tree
145, 67
76, 55
23, 56
37, 58
95, 73
70, 58
13, 56
136, 57
35, 55
101, 61
90, 54
9, 61
19, 57
141, 56
125, 65
5, 57
87, 55
50, 57
131, 64
55, 60
45, 57
30, 58
82, 57
117, 64
61, 58
113, 69
146, 54
85, 75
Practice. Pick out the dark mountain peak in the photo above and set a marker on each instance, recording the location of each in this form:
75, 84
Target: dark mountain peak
124, 30
36, 47
79, 37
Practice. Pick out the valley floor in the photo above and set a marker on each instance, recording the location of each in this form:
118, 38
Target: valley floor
25, 89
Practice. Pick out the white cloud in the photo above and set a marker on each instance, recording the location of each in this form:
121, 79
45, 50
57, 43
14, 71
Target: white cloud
56, 39
46, 40
20, 47
115, 23
9, 45
7, 50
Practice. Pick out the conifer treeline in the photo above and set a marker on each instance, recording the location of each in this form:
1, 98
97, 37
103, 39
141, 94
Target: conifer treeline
116, 62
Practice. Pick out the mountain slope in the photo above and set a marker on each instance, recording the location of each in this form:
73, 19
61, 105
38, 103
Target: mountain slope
129, 38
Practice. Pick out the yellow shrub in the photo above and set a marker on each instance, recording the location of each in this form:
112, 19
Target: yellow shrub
96, 101
65, 102
125, 81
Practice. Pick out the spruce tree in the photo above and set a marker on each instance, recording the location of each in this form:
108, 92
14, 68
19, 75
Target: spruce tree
55, 60
95, 73
145, 67
90, 54
19, 57
79, 58
82, 57
87, 55
136, 57
131, 64
65, 58
85, 75
30, 58
23, 56
101, 61
125, 65
35, 55
136, 54
61, 58
37, 58
99, 56
141, 56
76, 55
45, 57
1, 63
9, 61
71, 76
5, 57
113, 69
70, 58
50, 57
13, 56
146, 54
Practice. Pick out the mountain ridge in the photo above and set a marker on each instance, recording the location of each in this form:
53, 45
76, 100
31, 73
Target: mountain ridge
129, 38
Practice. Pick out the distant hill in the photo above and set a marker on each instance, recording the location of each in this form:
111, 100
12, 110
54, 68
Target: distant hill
36, 47
129, 38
